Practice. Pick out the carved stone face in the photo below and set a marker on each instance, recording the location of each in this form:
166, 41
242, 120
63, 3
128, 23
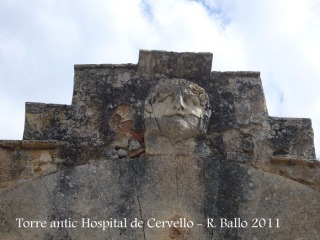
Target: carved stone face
177, 109
178, 102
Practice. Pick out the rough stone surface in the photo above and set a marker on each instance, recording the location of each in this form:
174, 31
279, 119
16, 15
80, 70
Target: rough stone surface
160, 187
41, 118
161, 64
292, 137
22, 161
94, 159
134, 145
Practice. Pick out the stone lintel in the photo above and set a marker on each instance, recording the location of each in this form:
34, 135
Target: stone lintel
10, 143
104, 66
291, 119
174, 65
237, 73
31, 144
36, 106
295, 161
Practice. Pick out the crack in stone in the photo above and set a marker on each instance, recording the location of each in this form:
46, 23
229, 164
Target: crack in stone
54, 205
139, 204
177, 185
258, 199
109, 234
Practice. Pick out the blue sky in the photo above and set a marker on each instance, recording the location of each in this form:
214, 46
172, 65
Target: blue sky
40, 41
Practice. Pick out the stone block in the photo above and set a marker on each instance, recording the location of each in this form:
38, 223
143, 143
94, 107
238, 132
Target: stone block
161, 64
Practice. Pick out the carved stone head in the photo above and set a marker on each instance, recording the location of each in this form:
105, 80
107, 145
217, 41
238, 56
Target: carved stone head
177, 109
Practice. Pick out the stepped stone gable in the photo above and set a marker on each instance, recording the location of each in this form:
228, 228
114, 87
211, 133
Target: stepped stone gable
165, 139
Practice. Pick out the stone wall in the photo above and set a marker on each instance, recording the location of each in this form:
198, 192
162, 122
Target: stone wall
88, 160
23, 161
47, 121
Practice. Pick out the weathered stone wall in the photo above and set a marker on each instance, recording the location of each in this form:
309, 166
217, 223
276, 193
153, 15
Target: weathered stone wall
161, 64
238, 109
163, 188
47, 121
256, 166
22, 161
292, 137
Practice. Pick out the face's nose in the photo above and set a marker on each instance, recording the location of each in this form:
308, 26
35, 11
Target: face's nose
179, 103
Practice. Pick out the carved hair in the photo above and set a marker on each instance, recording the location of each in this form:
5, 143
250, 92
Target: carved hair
167, 86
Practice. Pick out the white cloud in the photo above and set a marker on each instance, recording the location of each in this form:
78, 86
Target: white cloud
41, 40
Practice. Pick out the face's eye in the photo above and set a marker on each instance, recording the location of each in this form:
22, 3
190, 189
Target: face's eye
161, 97
191, 99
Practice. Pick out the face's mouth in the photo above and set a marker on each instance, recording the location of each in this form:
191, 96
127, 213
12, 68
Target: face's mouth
180, 114
177, 114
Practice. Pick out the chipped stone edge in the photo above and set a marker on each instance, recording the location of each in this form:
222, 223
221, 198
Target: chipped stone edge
290, 118
295, 161
172, 52
237, 73
31, 144
104, 66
